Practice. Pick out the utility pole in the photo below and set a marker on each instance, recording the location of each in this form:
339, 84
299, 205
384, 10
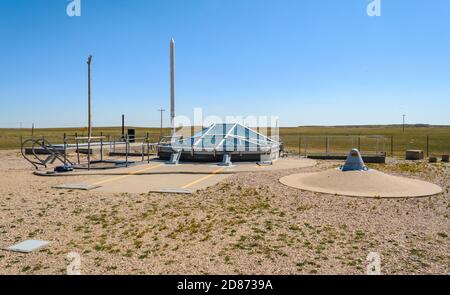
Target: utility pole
89, 61
404, 123
161, 110
32, 130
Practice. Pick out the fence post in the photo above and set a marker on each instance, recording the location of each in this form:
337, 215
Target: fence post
306, 147
78, 151
299, 146
392, 146
428, 146
65, 149
326, 145
126, 151
89, 152
143, 150
101, 146
148, 148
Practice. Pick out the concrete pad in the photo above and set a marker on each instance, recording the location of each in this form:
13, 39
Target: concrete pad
187, 167
157, 176
372, 183
158, 182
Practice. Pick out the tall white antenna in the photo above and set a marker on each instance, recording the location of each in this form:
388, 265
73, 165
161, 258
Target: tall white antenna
172, 86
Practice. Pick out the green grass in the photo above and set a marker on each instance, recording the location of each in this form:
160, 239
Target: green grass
10, 138
414, 137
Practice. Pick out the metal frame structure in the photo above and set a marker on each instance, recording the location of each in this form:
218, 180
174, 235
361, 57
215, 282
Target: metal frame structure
40, 152
211, 144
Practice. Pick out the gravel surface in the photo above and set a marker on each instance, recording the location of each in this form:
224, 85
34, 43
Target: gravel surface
248, 224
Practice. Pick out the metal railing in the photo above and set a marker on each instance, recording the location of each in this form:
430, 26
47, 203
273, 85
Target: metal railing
40, 152
337, 145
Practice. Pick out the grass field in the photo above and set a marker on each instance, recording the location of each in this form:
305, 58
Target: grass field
414, 137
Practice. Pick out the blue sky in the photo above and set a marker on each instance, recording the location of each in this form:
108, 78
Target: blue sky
309, 62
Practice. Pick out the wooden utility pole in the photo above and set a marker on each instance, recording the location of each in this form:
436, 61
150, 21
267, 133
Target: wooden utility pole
161, 110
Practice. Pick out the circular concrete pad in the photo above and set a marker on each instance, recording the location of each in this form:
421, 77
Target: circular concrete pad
370, 183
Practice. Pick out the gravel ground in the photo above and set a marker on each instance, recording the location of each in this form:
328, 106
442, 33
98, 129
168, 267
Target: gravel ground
248, 224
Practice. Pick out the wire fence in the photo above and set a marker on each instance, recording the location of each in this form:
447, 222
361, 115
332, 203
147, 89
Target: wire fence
370, 145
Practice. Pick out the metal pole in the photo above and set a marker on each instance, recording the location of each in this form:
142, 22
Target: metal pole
359, 143
326, 144
89, 154
65, 150
126, 150
404, 123
392, 145
143, 151
172, 86
299, 146
89, 61
161, 110
101, 146
78, 151
148, 148
123, 126
306, 147
32, 130
428, 146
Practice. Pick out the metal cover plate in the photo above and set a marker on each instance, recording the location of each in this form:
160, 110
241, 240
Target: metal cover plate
27, 246
174, 191
77, 186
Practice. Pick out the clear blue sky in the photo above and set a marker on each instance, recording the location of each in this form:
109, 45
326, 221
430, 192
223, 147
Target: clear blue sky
310, 62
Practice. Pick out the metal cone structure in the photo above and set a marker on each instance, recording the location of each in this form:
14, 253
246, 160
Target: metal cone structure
354, 162
355, 179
